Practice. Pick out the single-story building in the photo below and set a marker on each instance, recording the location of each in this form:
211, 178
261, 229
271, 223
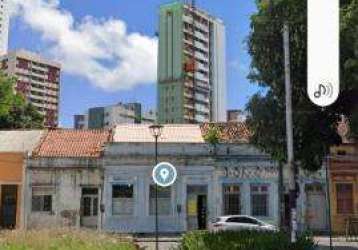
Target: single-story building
64, 179
343, 169
103, 179
14, 148
229, 178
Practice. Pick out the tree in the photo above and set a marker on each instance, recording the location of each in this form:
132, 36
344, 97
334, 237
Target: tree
314, 127
15, 112
213, 135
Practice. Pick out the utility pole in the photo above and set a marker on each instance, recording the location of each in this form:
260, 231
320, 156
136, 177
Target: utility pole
289, 133
328, 201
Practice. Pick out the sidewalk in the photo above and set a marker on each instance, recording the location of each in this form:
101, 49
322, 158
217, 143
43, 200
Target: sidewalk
165, 243
338, 244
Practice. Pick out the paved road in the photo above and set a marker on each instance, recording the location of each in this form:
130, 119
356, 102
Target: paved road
169, 243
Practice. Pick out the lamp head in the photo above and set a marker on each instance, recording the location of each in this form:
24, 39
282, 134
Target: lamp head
156, 130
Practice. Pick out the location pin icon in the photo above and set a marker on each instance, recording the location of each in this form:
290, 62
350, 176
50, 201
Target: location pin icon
164, 173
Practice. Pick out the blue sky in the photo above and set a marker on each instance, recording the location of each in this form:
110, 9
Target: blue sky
140, 16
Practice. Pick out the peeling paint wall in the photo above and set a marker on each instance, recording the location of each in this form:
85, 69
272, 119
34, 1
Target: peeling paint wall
197, 165
64, 182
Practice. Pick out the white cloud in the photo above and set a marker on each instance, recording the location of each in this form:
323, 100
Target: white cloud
102, 51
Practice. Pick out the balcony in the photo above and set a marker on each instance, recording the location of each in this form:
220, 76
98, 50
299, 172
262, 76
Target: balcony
201, 77
188, 95
189, 106
189, 19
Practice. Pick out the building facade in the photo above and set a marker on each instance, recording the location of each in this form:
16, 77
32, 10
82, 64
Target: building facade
343, 169
103, 179
4, 26
210, 183
191, 66
14, 149
230, 178
79, 121
64, 179
236, 115
38, 80
110, 116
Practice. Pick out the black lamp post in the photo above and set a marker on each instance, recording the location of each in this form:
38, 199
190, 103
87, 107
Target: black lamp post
156, 131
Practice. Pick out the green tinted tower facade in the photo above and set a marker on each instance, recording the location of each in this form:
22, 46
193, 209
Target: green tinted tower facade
191, 66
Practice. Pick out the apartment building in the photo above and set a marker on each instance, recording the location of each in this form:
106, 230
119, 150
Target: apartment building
236, 115
38, 79
4, 26
191, 66
110, 116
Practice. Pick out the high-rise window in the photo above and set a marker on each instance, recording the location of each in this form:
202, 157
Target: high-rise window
164, 200
232, 204
344, 198
122, 199
260, 200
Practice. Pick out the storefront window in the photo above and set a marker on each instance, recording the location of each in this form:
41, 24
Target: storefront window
260, 200
344, 198
232, 204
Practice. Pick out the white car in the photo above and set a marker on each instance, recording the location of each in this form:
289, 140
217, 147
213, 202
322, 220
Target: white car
240, 222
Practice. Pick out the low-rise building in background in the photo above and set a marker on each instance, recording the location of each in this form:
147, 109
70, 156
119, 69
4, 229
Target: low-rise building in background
110, 116
236, 115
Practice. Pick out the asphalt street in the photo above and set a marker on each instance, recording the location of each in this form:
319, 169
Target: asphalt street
170, 243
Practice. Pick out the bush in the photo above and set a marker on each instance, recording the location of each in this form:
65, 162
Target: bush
62, 240
244, 240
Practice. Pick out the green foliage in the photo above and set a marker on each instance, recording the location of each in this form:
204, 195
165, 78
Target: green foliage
213, 135
314, 127
62, 240
15, 112
243, 240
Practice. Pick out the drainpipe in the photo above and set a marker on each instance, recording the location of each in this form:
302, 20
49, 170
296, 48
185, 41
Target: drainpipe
23, 205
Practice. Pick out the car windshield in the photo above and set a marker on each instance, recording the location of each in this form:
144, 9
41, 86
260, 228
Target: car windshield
215, 220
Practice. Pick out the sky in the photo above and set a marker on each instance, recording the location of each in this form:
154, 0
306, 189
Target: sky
108, 48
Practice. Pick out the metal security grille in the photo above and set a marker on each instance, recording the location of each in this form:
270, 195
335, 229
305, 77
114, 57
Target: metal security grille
259, 200
164, 200
232, 204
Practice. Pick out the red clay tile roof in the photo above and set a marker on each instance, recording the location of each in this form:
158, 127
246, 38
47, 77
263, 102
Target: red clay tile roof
230, 132
73, 143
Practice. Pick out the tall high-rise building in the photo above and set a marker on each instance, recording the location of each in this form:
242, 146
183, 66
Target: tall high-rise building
191, 66
110, 116
4, 26
38, 79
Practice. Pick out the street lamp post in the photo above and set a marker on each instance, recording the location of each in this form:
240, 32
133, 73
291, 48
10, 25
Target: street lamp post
156, 131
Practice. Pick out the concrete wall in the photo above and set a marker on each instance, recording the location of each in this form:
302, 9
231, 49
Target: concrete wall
197, 164
184, 149
140, 177
64, 180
